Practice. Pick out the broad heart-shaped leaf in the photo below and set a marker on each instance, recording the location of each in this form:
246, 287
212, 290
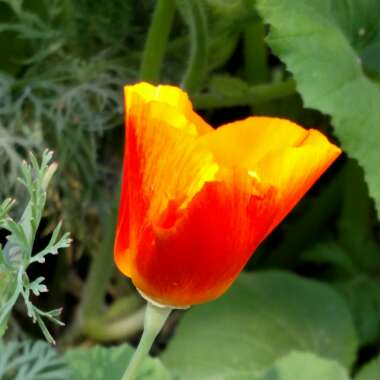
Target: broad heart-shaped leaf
305, 366
331, 47
102, 363
370, 371
264, 316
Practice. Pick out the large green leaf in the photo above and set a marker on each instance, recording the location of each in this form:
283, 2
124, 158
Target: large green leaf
370, 371
332, 48
100, 363
305, 366
263, 317
363, 298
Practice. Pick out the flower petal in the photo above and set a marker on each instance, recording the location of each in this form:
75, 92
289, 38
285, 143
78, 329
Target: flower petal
294, 170
164, 162
245, 142
197, 258
170, 95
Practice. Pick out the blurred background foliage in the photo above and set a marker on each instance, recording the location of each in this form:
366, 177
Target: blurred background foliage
63, 64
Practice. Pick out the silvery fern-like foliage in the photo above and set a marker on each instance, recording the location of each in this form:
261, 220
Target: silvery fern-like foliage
57, 96
16, 255
29, 360
61, 75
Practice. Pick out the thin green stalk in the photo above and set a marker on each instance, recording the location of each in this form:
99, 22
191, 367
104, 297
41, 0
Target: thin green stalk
100, 270
195, 17
257, 94
156, 41
155, 318
255, 53
256, 69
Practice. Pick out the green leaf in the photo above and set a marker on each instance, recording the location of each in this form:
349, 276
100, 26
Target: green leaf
99, 363
263, 317
370, 371
329, 46
15, 256
363, 298
31, 360
300, 365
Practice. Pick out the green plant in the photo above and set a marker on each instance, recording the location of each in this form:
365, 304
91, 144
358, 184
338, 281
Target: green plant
17, 254
28, 360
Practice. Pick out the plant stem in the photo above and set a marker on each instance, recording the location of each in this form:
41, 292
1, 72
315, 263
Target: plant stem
100, 270
155, 318
195, 17
256, 61
156, 41
257, 94
255, 53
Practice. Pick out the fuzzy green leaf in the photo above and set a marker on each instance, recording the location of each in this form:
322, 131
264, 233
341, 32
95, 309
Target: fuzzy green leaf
330, 46
300, 365
99, 363
28, 360
15, 256
263, 317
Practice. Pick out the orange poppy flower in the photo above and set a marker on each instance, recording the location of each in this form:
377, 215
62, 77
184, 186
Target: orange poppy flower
195, 201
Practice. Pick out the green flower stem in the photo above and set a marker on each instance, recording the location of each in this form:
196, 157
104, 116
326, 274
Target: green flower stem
195, 17
155, 318
256, 95
100, 271
255, 53
156, 41
256, 61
